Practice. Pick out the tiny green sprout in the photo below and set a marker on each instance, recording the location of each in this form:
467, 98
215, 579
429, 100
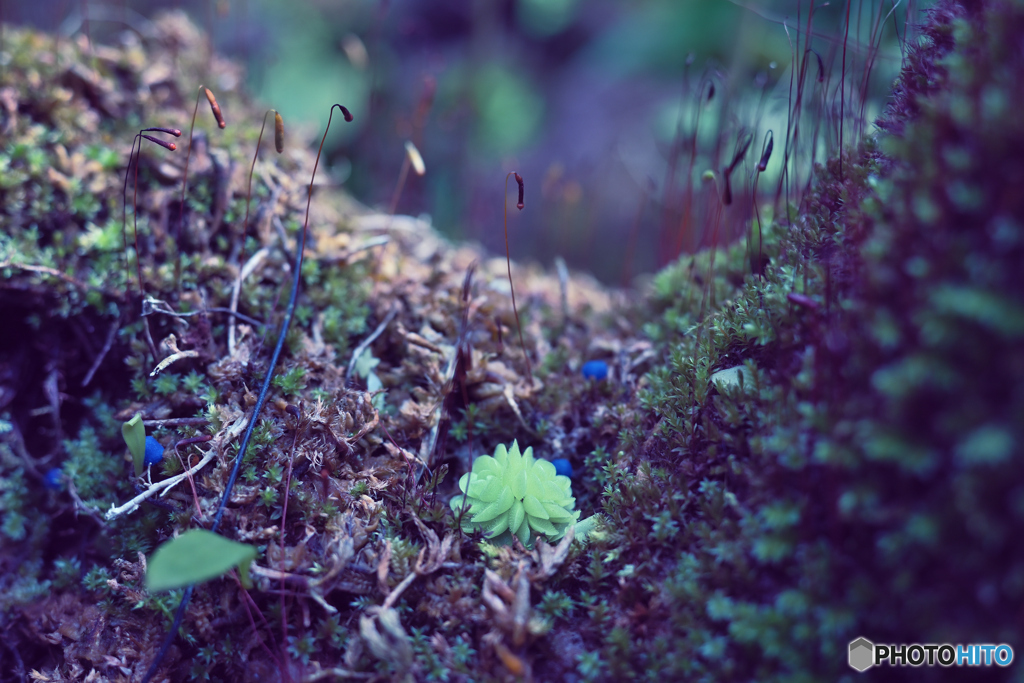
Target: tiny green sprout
513, 493
197, 555
291, 382
134, 434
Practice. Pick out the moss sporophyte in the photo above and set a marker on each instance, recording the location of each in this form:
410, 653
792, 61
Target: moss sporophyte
514, 494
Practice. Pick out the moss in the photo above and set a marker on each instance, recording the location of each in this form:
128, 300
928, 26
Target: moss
847, 467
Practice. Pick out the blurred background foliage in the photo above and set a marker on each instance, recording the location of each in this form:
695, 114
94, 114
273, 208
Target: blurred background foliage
587, 99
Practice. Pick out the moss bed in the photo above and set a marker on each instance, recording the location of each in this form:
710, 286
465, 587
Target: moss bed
860, 477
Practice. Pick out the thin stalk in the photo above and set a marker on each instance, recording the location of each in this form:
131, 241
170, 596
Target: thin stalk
279, 145
399, 186
264, 390
762, 165
842, 90
688, 197
784, 174
246, 599
184, 179
284, 521
508, 261
124, 198
634, 233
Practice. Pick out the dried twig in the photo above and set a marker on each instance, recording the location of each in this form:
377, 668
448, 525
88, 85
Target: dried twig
103, 353
165, 485
428, 561
177, 422
63, 276
365, 344
250, 266
176, 354
336, 672
151, 306
80, 504
171, 359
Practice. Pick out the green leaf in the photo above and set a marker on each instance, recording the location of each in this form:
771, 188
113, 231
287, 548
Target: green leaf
496, 526
516, 516
496, 508
542, 525
366, 363
196, 556
134, 434
490, 490
534, 507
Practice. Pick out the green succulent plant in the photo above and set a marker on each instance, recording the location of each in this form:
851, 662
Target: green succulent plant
513, 493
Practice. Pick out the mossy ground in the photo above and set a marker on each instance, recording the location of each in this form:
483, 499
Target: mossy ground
864, 478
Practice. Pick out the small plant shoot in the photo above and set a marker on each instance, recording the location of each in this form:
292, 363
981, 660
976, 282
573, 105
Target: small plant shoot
134, 434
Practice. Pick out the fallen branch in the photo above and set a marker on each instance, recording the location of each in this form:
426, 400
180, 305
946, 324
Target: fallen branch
103, 353
63, 276
250, 266
165, 485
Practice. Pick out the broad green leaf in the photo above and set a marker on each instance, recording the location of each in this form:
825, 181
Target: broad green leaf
197, 555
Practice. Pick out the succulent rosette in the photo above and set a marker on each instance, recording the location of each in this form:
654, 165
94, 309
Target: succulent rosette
513, 493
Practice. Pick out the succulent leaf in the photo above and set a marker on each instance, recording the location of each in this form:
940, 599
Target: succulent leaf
496, 508
552, 491
545, 469
524, 533
516, 516
492, 489
512, 493
543, 525
497, 525
535, 507
517, 482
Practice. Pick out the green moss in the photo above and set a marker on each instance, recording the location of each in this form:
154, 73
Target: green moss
98, 475
847, 467
291, 382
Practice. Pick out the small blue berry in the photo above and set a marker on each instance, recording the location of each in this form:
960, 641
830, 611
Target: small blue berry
563, 467
154, 451
595, 369
53, 479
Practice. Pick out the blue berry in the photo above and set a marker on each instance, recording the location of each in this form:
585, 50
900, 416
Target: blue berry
595, 369
563, 467
154, 451
53, 479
